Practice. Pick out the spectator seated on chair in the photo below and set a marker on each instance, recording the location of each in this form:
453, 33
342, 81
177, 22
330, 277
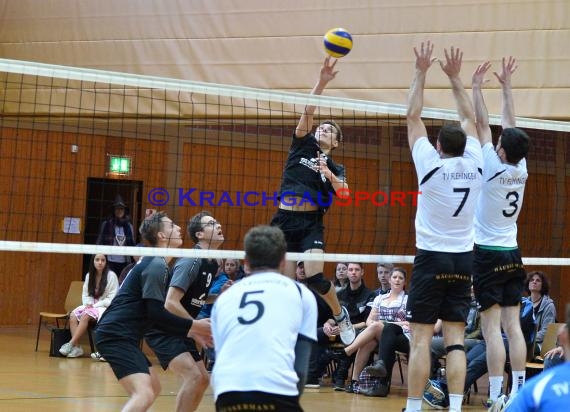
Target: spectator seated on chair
388, 308
383, 271
436, 394
341, 278
99, 288
356, 298
537, 287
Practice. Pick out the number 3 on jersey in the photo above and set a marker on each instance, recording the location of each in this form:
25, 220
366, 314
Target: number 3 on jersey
246, 301
513, 204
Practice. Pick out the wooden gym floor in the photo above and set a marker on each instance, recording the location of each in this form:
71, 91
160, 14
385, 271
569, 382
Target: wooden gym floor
32, 381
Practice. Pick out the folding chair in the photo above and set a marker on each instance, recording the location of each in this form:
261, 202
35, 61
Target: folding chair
72, 300
549, 342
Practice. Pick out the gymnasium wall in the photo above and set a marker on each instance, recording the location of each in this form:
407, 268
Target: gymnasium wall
278, 45
53, 185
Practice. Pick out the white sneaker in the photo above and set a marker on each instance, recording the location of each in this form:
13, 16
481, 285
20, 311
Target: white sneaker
500, 404
347, 333
66, 348
75, 352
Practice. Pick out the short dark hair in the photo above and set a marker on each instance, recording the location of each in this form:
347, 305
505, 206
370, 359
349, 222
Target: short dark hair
265, 247
195, 225
150, 227
545, 283
515, 142
339, 135
355, 263
452, 139
399, 269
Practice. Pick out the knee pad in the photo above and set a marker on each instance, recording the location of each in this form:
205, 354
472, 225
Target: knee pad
454, 347
319, 283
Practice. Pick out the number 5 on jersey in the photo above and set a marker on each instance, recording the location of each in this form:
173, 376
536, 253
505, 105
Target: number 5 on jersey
246, 301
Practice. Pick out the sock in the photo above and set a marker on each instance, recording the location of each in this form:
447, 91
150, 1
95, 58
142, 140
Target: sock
413, 404
518, 381
455, 402
340, 316
495, 387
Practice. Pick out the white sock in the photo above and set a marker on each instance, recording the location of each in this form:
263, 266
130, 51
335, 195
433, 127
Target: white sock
455, 402
495, 387
518, 381
414, 404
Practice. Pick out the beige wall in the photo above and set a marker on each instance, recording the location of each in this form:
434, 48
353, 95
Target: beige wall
271, 44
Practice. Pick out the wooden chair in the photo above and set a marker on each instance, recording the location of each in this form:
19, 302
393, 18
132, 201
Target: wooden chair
548, 343
72, 300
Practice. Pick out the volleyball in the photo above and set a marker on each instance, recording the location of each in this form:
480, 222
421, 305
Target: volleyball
337, 42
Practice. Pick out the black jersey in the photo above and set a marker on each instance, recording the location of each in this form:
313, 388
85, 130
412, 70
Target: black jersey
194, 276
127, 316
302, 178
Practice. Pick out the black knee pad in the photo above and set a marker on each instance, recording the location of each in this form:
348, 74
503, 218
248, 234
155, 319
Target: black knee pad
454, 347
319, 283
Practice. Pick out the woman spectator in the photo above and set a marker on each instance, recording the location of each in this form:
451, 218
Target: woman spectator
341, 275
537, 287
389, 308
99, 288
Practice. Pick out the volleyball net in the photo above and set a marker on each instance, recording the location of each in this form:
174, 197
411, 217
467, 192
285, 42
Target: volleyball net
73, 139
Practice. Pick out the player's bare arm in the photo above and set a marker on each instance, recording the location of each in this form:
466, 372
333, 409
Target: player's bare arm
481, 113
424, 60
452, 67
327, 73
508, 110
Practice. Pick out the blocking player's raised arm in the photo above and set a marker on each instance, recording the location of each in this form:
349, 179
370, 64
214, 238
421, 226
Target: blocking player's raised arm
327, 73
481, 113
416, 127
452, 67
508, 107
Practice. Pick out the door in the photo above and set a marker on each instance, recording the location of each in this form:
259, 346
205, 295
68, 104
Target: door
101, 194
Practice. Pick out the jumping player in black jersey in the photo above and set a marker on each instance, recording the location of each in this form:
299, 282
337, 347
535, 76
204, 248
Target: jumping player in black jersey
310, 180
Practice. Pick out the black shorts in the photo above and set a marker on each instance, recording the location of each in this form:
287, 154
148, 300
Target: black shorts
498, 277
124, 355
440, 287
302, 230
167, 347
257, 401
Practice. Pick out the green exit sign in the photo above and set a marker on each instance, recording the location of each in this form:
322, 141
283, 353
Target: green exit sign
120, 165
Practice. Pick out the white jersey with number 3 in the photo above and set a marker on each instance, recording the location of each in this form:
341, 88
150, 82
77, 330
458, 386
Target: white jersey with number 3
500, 201
255, 325
449, 189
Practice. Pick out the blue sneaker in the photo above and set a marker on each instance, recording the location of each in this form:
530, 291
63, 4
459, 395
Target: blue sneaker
435, 394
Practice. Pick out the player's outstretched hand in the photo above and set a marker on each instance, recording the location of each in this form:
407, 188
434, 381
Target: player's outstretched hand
327, 70
509, 67
453, 60
201, 332
479, 74
423, 56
